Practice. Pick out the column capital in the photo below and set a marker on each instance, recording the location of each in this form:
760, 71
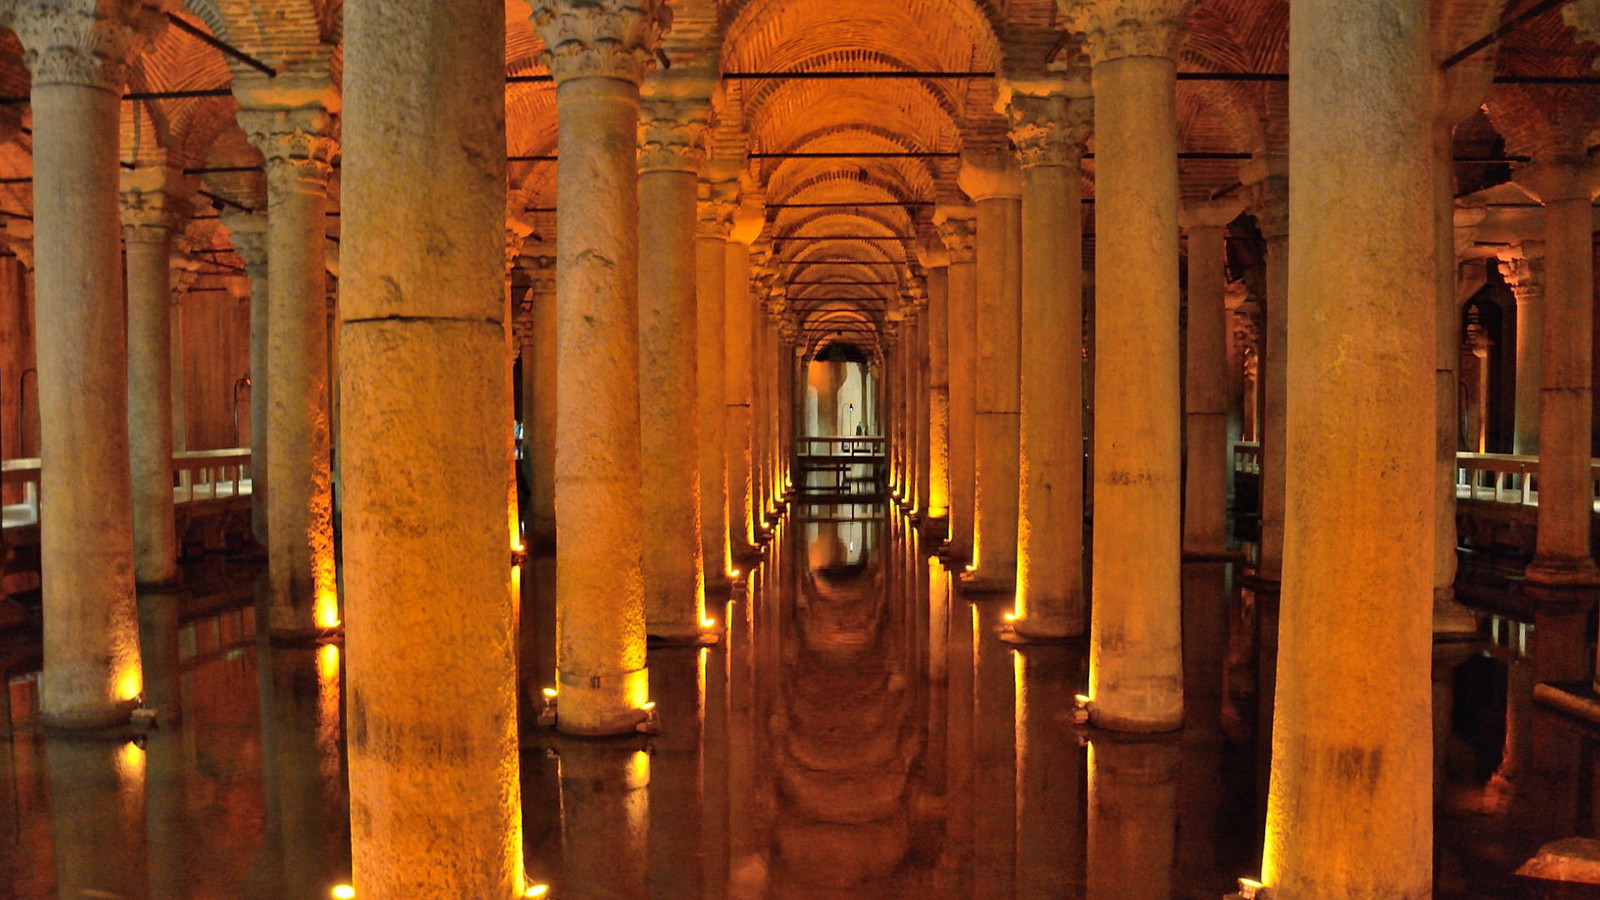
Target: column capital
749, 220
151, 207
1522, 266
19, 238
988, 175
932, 253
1050, 130
297, 144
183, 271
1215, 213
1552, 179
249, 233
717, 202
600, 38
1269, 202
1121, 28
672, 134
958, 229
82, 42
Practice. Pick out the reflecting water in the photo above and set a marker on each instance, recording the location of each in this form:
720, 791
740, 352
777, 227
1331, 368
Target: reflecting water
860, 732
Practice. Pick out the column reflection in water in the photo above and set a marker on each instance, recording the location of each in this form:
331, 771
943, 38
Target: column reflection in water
677, 678
1133, 786
745, 869
605, 819
1050, 772
955, 867
993, 758
97, 811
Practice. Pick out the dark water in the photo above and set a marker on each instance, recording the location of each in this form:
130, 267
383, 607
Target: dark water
858, 734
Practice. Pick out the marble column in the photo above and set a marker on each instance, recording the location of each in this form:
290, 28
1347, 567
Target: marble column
737, 387
1049, 133
75, 52
1205, 484
671, 148
994, 184
958, 228
1271, 210
299, 154
1566, 489
599, 56
718, 199
148, 208
423, 355
936, 259
1136, 673
1349, 812
539, 401
1524, 272
923, 461
249, 234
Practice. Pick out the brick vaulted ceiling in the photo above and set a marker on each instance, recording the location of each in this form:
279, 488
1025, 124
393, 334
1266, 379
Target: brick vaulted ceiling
1018, 40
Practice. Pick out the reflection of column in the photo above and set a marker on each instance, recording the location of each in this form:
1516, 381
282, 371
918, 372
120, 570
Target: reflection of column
97, 812
1133, 797
605, 821
91, 641
994, 762
1524, 271
1136, 679
1205, 483
956, 864
1049, 133
598, 56
995, 185
1566, 486
301, 777
1050, 774
671, 136
1272, 216
249, 233
147, 212
424, 352
539, 402
958, 229
299, 154
717, 202
676, 676
166, 816
1349, 813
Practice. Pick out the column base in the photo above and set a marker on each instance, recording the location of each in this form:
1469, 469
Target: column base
113, 719
1032, 633
1549, 571
1449, 616
746, 555
1127, 724
981, 582
602, 705
304, 638
684, 637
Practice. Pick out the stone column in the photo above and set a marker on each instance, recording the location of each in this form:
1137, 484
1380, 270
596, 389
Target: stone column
1350, 805
76, 54
936, 259
958, 229
599, 56
1205, 484
249, 233
1135, 639
423, 356
671, 148
995, 185
299, 157
1566, 490
147, 214
924, 399
717, 203
737, 387
1524, 272
1049, 133
1272, 217
539, 401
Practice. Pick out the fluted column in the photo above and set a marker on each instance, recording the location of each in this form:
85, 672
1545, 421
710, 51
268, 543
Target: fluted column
1136, 676
76, 53
599, 55
958, 229
1205, 483
1049, 133
717, 203
1350, 805
936, 259
147, 214
299, 158
1272, 217
1566, 491
1524, 272
539, 400
994, 184
737, 386
249, 234
671, 149
423, 357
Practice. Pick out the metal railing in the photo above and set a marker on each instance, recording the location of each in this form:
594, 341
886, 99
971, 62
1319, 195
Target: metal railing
197, 475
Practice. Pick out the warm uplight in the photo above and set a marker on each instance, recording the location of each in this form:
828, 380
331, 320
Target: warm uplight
549, 693
649, 705
130, 683
972, 567
326, 612
1009, 617
1249, 889
708, 623
538, 890
734, 573
344, 892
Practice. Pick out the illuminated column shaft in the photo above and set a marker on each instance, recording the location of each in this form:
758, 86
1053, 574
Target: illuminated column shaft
958, 229
539, 404
299, 157
598, 56
1272, 215
995, 185
924, 399
145, 214
249, 235
1135, 637
1525, 274
1049, 133
736, 395
423, 355
1205, 484
938, 263
1565, 482
670, 142
711, 254
91, 635
1349, 812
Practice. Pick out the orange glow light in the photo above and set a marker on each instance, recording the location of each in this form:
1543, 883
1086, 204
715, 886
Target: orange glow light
538, 890
343, 891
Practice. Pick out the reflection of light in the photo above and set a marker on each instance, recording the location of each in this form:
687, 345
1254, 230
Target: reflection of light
327, 666
538, 890
328, 704
130, 763
344, 891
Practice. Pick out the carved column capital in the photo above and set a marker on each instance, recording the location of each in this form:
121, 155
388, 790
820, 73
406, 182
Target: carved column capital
151, 208
1553, 179
297, 144
183, 271
1050, 130
1523, 269
1115, 29
718, 202
672, 134
83, 42
249, 234
990, 176
1269, 203
600, 38
958, 229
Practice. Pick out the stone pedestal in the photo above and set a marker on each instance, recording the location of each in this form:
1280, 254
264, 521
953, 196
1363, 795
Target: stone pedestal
958, 229
423, 449
1205, 483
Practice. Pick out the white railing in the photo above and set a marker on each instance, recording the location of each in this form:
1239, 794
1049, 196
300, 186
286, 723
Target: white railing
1247, 457
199, 475
1499, 477
858, 445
